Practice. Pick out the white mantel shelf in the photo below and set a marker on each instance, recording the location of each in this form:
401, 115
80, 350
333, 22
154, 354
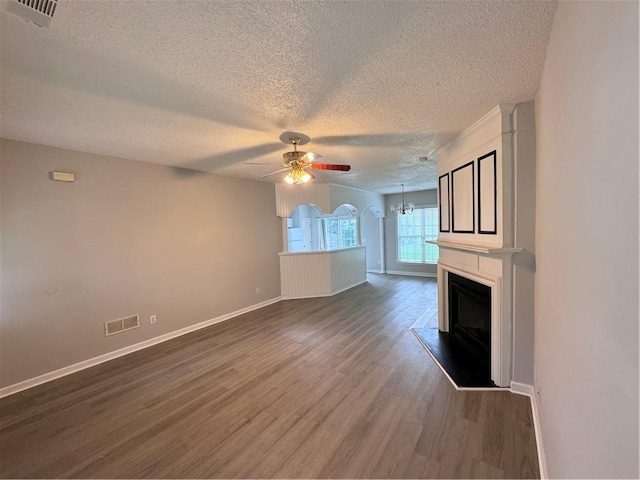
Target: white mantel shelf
486, 249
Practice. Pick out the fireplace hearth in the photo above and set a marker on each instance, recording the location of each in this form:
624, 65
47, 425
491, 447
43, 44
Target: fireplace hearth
470, 316
464, 350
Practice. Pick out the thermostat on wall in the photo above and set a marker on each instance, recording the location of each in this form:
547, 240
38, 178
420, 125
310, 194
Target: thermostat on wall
62, 176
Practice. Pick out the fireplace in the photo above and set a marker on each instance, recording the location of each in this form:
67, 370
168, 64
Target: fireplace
486, 199
470, 316
487, 273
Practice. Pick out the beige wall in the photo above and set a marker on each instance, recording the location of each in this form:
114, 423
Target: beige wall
586, 321
126, 238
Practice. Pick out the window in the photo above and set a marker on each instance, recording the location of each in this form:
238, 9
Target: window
413, 232
309, 230
340, 233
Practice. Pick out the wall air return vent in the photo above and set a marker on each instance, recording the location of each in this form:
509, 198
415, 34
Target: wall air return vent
121, 325
39, 12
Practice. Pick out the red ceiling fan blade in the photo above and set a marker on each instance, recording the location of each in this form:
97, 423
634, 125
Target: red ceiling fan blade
328, 166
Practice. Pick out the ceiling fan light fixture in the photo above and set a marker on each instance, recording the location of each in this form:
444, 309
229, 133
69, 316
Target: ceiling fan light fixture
297, 163
297, 176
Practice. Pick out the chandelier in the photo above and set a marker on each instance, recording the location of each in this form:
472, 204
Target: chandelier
403, 208
297, 175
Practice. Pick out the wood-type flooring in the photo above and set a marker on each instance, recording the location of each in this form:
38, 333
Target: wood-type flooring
334, 387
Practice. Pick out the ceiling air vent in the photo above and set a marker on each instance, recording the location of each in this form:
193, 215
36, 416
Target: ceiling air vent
39, 12
121, 325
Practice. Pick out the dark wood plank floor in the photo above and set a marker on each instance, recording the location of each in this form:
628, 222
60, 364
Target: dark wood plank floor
319, 388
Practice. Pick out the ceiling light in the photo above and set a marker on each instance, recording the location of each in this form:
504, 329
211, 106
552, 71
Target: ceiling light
403, 208
297, 175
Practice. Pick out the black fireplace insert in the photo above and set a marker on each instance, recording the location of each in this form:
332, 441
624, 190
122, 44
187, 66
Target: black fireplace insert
470, 316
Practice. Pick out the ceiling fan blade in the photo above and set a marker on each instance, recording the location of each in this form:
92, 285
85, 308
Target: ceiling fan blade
260, 163
328, 166
233, 157
272, 173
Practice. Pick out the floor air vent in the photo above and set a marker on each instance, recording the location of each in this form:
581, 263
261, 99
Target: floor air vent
39, 12
121, 325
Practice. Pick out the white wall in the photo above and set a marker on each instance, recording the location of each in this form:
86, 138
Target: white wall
422, 198
126, 238
586, 323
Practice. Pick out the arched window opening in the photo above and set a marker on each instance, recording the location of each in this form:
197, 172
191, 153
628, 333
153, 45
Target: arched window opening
309, 230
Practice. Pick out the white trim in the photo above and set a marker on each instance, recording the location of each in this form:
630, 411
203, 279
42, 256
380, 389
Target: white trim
542, 459
370, 270
476, 248
330, 294
76, 367
522, 389
529, 391
488, 279
412, 274
383, 262
505, 109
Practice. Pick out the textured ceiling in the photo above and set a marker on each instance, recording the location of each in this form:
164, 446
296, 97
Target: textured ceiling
209, 85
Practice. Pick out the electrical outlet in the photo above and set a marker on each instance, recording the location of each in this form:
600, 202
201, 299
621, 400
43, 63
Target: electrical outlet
152, 319
257, 290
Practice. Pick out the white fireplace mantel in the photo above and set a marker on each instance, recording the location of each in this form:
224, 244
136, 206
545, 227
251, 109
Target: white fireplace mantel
486, 193
475, 248
494, 271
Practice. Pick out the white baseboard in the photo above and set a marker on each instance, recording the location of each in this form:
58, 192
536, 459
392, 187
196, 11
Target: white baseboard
374, 271
76, 367
522, 388
542, 459
412, 274
529, 391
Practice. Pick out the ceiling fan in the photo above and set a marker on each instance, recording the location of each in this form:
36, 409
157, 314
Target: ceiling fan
298, 163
